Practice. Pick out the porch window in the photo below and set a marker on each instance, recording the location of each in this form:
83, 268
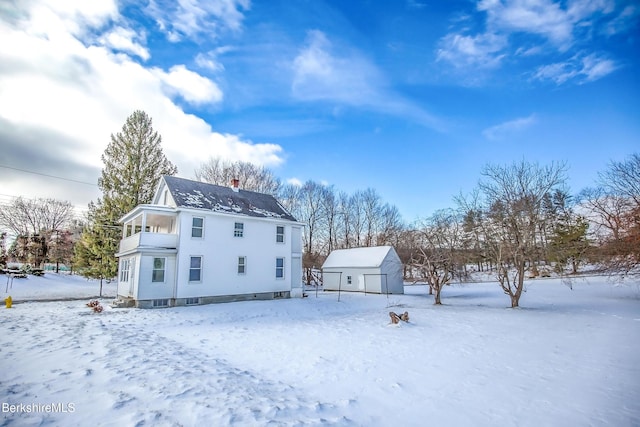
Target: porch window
125, 265
195, 269
242, 264
279, 268
197, 227
158, 270
238, 229
279, 234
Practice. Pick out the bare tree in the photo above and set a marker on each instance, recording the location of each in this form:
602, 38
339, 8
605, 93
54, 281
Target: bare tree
253, 178
372, 210
438, 258
615, 207
306, 204
33, 222
512, 208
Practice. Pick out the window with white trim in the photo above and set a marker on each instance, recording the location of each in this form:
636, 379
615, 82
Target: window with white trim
242, 264
279, 268
195, 269
348, 280
161, 302
279, 234
238, 229
125, 265
197, 227
157, 274
192, 301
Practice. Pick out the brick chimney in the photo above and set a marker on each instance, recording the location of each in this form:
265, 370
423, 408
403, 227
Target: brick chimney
235, 184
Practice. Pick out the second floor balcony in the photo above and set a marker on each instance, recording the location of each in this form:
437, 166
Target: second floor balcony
149, 226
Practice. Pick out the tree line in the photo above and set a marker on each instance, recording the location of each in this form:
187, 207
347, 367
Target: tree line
519, 221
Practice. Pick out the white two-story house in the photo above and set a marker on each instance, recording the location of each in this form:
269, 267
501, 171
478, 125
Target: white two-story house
199, 243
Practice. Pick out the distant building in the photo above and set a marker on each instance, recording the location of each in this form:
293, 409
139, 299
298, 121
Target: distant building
374, 269
199, 243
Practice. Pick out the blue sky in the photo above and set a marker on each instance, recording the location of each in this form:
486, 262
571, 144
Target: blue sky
411, 98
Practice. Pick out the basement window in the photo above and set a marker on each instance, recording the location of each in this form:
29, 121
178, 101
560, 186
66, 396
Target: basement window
161, 302
192, 301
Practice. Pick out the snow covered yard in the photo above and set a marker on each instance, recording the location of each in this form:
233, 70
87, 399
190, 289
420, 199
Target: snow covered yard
566, 358
53, 286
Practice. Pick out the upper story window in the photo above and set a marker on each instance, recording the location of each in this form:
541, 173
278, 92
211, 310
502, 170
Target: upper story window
238, 229
158, 270
197, 227
279, 234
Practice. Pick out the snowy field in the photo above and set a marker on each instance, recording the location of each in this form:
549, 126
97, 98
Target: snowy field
568, 357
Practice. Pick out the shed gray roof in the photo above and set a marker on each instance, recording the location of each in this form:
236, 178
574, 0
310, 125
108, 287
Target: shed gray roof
201, 195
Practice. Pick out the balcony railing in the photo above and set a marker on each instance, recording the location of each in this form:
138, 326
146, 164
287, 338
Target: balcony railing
149, 240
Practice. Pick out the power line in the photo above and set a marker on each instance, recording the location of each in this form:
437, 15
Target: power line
47, 175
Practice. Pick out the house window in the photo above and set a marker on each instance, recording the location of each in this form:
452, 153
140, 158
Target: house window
161, 302
348, 280
242, 264
195, 269
238, 230
197, 227
125, 265
158, 270
279, 268
279, 234
192, 301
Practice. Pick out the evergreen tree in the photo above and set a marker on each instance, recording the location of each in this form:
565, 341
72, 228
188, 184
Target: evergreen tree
133, 164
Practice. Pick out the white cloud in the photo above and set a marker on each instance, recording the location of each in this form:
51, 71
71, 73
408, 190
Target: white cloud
509, 128
191, 86
543, 17
482, 50
579, 68
559, 25
122, 39
209, 60
73, 95
294, 181
190, 18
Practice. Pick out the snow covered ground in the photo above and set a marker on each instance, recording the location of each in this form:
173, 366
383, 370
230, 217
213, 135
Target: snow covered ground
568, 357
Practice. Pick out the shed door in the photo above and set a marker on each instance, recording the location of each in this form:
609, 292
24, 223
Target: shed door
361, 282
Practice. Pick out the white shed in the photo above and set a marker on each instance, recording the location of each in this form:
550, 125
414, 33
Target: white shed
375, 269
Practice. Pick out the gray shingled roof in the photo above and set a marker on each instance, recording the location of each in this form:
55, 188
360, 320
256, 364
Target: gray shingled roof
200, 195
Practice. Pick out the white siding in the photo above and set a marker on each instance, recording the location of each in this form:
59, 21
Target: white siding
220, 251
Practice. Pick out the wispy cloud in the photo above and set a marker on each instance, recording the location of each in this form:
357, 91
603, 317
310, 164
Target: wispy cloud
481, 50
320, 75
580, 69
190, 18
348, 79
552, 26
509, 128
